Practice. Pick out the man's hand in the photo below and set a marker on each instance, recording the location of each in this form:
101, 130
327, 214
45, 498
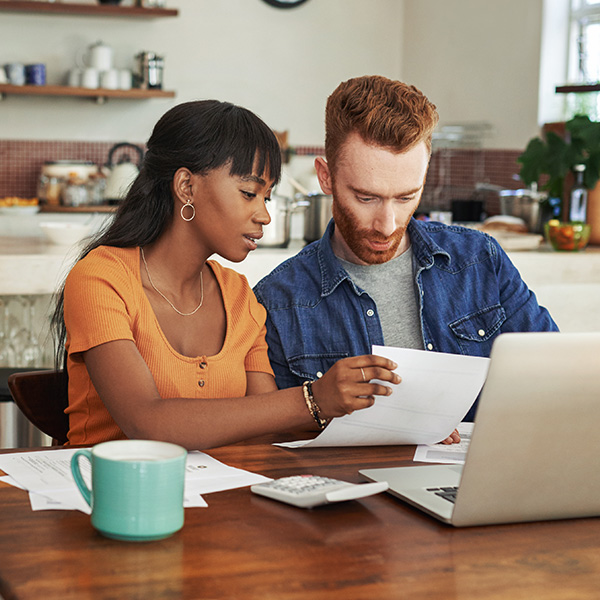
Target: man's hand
453, 438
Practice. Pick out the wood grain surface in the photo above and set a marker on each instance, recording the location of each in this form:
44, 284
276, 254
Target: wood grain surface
249, 547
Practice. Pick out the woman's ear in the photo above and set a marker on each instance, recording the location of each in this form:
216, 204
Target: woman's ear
182, 185
323, 175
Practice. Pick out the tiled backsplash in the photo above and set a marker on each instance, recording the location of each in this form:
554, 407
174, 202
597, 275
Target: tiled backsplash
453, 173
21, 161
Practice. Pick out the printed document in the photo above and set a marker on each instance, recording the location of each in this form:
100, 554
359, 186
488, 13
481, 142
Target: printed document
46, 475
436, 392
446, 453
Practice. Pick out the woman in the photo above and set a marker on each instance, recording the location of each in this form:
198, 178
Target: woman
162, 343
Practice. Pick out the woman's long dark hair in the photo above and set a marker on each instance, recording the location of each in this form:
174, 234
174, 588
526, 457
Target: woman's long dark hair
200, 136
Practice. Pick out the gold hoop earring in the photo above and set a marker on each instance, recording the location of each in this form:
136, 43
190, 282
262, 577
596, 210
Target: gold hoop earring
188, 202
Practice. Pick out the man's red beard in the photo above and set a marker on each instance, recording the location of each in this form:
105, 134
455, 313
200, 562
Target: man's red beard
358, 239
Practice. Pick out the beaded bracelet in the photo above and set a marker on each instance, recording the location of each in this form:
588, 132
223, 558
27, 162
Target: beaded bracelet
313, 407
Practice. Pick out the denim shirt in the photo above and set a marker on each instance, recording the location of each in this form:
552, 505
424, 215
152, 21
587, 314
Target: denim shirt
469, 292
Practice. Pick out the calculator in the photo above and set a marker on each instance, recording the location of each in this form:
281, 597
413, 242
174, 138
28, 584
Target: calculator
307, 491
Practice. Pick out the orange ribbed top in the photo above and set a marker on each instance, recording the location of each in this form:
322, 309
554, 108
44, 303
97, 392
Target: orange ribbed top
105, 301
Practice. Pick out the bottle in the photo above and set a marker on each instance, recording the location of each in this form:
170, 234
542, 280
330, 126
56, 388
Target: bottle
579, 196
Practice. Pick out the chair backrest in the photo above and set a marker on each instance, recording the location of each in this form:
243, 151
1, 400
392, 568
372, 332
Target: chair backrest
42, 398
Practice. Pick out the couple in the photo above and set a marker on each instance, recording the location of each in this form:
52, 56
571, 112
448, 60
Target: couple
162, 343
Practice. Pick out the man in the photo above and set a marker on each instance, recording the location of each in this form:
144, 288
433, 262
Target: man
378, 276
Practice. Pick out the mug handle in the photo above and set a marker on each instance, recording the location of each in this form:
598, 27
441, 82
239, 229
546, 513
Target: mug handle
81, 58
83, 488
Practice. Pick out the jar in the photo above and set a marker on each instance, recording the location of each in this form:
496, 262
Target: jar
75, 191
49, 189
95, 188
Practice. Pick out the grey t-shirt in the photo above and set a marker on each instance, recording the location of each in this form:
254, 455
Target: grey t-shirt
391, 285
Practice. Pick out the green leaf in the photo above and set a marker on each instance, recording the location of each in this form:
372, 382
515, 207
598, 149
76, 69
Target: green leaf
533, 161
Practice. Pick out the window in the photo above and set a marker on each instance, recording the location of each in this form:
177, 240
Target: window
583, 59
584, 46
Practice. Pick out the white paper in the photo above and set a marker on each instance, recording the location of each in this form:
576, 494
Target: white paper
46, 475
10, 481
436, 392
447, 454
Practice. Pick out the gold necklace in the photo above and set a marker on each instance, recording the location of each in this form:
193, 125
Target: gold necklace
172, 305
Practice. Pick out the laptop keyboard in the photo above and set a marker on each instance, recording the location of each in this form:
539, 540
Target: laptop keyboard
448, 493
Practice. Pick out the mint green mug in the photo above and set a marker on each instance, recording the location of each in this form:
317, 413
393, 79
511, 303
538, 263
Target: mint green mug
137, 488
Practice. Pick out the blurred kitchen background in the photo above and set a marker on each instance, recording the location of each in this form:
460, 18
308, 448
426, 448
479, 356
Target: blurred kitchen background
491, 68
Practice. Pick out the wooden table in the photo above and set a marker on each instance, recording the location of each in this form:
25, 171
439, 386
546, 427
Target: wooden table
247, 547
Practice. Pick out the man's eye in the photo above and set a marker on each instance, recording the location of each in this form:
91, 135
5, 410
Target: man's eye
366, 199
249, 195
267, 199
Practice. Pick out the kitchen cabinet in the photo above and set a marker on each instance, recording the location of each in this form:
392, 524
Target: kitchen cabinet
84, 10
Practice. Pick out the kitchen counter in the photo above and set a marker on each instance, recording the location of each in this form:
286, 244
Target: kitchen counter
568, 284
33, 266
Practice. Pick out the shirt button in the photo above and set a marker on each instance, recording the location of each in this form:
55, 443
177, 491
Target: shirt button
201, 383
370, 312
203, 365
481, 332
319, 374
429, 346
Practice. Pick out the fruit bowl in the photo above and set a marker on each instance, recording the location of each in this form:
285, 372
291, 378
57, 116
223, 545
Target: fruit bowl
567, 236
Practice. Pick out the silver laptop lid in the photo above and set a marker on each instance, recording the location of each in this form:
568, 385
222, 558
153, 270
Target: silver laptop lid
536, 442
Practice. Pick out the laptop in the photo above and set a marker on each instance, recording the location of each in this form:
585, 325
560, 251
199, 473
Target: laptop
535, 447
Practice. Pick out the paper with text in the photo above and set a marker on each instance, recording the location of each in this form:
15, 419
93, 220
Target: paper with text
446, 453
436, 392
46, 475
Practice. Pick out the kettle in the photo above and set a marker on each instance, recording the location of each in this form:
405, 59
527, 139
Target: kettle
97, 56
122, 174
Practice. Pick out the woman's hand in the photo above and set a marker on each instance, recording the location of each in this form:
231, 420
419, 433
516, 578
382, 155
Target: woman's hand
346, 386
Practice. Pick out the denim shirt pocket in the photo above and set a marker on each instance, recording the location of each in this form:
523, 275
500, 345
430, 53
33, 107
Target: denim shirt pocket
480, 326
313, 366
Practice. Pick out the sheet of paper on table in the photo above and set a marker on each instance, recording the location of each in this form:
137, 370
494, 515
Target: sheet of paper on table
436, 392
446, 453
46, 475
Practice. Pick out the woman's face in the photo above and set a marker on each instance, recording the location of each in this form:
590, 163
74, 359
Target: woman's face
230, 210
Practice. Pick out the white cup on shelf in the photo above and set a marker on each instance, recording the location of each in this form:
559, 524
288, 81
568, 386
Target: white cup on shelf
90, 78
74, 77
109, 80
125, 79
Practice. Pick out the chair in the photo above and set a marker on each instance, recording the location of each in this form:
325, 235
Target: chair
42, 398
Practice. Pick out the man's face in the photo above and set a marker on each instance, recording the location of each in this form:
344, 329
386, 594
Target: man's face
375, 193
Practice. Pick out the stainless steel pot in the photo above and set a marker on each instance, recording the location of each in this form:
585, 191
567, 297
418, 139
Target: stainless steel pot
317, 215
524, 204
277, 233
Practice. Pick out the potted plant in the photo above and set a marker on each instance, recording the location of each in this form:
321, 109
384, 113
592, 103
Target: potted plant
548, 161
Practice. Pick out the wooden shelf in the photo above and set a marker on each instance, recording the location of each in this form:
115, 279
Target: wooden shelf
100, 94
578, 89
89, 10
96, 208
